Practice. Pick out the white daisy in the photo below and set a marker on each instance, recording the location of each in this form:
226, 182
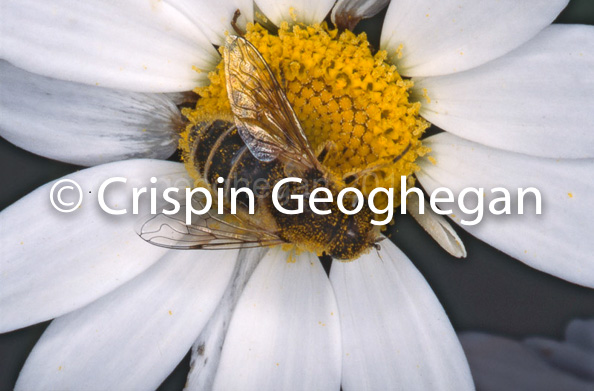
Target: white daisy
536, 363
124, 319
127, 312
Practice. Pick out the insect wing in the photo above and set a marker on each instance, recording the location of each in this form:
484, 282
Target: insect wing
208, 231
264, 117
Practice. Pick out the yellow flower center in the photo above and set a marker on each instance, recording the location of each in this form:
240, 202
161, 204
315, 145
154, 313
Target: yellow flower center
342, 93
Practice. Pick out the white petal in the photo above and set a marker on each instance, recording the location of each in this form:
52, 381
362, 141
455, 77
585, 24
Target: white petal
446, 36
355, 10
565, 356
53, 262
536, 100
284, 334
580, 332
138, 45
556, 241
135, 336
214, 17
82, 124
206, 351
502, 364
302, 11
437, 226
395, 333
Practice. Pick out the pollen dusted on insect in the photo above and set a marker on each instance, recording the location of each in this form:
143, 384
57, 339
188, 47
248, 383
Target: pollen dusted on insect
341, 92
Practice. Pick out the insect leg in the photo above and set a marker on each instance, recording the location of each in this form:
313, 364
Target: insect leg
352, 178
237, 29
329, 146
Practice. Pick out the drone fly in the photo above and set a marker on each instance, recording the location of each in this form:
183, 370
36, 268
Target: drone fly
263, 142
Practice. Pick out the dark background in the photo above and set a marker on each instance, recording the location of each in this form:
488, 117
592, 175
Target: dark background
488, 291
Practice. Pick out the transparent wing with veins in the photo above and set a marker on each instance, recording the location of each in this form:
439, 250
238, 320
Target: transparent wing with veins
208, 231
264, 117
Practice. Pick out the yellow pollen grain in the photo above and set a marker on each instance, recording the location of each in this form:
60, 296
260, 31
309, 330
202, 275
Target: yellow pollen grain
341, 92
399, 50
570, 195
293, 14
260, 16
426, 96
292, 252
